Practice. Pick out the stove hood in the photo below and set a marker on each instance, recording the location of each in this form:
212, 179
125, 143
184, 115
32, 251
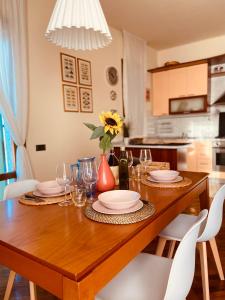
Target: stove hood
220, 100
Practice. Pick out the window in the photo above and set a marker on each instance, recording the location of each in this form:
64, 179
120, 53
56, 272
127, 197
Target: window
7, 157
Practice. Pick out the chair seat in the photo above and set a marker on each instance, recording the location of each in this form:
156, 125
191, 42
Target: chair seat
177, 229
144, 278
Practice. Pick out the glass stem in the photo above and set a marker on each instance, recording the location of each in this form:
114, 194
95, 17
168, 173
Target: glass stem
65, 198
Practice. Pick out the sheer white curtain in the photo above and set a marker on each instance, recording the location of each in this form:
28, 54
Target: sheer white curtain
14, 78
134, 79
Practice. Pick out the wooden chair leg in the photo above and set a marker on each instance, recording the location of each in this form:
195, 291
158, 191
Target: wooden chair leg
216, 256
171, 249
9, 286
204, 270
160, 246
33, 292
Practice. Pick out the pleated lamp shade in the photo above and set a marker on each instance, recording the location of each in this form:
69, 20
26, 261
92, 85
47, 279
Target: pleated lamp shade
78, 25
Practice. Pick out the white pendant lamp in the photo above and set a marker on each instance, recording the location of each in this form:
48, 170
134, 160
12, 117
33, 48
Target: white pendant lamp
78, 25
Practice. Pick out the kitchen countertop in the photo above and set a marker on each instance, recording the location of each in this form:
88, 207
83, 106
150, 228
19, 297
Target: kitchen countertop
156, 144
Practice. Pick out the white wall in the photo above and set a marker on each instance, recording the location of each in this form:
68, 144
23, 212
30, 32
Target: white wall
64, 134
193, 51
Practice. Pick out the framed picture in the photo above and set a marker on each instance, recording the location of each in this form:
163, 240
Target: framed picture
84, 72
68, 68
70, 98
86, 101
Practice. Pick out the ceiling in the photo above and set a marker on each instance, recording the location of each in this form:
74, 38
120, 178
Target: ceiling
167, 23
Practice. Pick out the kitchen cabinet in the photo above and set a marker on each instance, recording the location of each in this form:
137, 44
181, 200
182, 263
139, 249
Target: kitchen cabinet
160, 93
176, 83
158, 154
199, 156
188, 81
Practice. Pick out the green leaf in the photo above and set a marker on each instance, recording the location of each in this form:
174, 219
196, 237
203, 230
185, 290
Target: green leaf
105, 142
98, 132
90, 126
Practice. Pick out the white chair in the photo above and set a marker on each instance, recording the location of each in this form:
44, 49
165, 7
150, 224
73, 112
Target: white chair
13, 190
179, 226
151, 277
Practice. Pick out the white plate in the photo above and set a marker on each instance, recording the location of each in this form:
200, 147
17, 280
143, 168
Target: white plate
102, 209
38, 194
178, 179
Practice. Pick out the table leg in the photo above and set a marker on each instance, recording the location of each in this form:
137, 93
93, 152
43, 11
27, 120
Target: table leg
77, 291
204, 197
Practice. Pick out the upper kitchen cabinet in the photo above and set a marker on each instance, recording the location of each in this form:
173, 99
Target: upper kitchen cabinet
160, 93
188, 81
183, 80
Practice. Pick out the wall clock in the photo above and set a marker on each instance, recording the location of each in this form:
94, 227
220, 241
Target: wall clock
112, 75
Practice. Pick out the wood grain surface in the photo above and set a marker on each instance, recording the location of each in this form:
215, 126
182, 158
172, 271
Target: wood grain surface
64, 252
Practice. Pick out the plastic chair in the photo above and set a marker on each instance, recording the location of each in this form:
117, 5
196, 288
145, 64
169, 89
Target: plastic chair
179, 226
13, 190
151, 277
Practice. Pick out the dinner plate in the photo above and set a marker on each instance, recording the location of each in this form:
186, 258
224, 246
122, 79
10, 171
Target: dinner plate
178, 179
39, 194
104, 210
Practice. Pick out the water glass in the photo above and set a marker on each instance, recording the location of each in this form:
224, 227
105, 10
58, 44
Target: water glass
64, 178
78, 196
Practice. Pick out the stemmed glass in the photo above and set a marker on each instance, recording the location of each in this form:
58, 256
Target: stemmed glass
64, 178
90, 175
129, 160
145, 158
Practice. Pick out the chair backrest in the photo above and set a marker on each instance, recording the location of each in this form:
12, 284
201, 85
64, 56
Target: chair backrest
183, 266
215, 216
18, 188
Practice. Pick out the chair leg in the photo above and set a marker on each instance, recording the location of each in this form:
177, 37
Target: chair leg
216, 256
204, 270
160, 246
33, 292
171, 249
9, 286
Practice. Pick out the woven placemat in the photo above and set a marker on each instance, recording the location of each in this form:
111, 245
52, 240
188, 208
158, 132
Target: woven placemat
145, 212
41, 201
185, 182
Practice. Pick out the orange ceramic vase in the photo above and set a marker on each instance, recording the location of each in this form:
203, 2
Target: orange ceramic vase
106, 181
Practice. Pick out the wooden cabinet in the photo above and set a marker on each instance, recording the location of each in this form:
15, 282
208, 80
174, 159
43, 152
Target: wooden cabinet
176, 83
160, 93
199, 157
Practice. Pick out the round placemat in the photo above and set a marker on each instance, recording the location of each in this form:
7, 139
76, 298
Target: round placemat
185, 182
41, 201
145, 212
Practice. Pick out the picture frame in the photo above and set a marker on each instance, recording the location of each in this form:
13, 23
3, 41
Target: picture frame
68, 68
84, 72
70, 98
86, 100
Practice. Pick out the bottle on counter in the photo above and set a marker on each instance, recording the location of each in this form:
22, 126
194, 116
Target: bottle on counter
114, 165
123, 170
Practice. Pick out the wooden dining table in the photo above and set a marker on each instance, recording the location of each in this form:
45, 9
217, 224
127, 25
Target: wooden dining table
72, 257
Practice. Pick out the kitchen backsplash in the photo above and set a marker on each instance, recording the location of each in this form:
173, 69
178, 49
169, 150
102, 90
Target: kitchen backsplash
202, 126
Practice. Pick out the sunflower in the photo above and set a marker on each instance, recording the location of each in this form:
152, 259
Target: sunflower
111, 121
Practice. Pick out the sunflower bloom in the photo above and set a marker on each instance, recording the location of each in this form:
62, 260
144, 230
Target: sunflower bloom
111, 121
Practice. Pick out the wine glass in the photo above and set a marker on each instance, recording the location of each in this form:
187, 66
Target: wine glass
129, 161
145, 158
129, 158
89, 175
64, 178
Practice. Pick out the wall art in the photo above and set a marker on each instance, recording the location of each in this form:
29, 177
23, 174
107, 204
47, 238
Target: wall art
68, 68
86, 101
84, 72
70, 98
